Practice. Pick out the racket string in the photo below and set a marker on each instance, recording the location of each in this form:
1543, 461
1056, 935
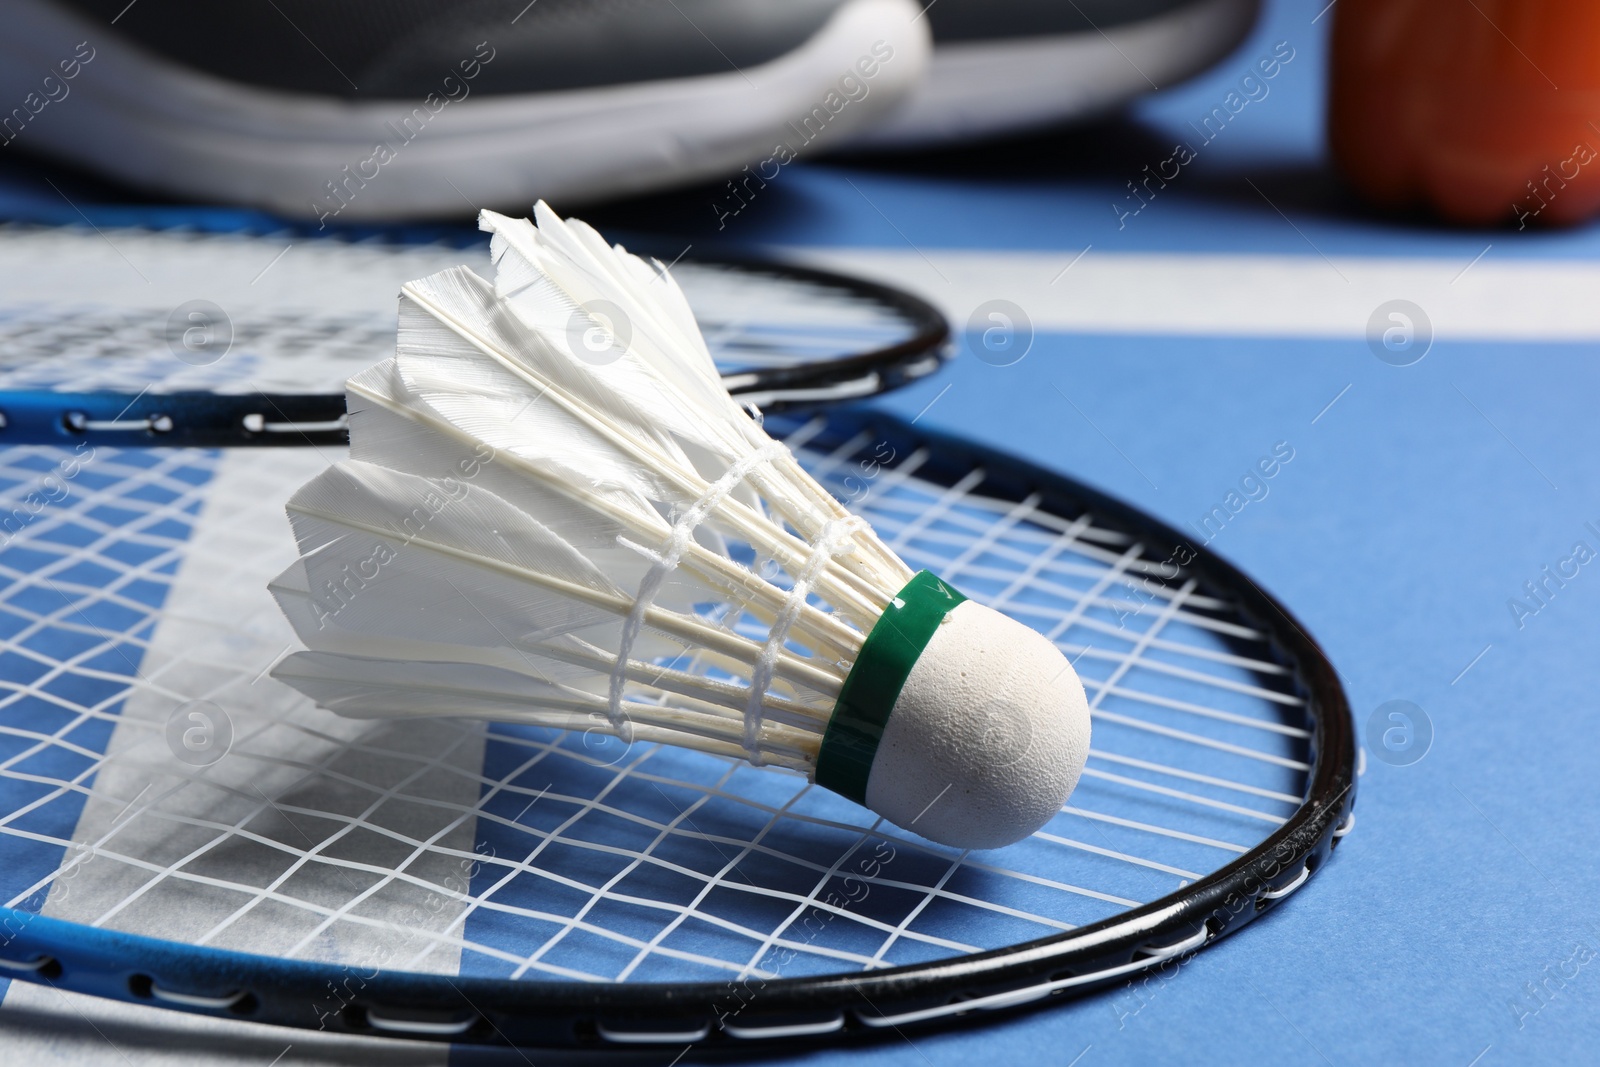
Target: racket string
754, 321
769, 857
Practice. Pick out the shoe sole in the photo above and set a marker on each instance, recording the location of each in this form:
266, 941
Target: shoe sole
993, 88
152, 123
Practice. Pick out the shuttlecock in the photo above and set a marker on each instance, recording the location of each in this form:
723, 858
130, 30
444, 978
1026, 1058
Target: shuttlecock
554, 513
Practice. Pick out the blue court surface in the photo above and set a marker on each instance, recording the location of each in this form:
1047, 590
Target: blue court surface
1435, 531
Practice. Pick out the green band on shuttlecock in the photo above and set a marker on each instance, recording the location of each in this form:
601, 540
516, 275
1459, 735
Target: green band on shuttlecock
850, 743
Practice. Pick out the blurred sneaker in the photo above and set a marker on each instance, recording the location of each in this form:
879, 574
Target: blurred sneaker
1004, 66
360, 109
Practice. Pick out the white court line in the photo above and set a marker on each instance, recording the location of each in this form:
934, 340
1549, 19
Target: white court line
1242, 295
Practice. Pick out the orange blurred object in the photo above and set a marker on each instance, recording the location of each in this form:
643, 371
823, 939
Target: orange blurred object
1485, 111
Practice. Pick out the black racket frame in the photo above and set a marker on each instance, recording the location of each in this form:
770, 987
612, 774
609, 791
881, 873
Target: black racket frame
735, 1015
265, 419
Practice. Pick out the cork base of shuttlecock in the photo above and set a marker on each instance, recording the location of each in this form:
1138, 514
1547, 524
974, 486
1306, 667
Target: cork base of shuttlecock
987, 738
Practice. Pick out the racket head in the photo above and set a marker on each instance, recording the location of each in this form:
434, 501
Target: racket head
864, 338
125, 371
754, 860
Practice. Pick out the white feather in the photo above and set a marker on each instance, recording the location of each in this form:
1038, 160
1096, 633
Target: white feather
526, 533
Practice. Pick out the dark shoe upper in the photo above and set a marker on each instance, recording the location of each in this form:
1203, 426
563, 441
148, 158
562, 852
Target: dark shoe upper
365, 49
989, 20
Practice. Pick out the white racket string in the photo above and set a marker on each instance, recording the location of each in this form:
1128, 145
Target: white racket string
531, 853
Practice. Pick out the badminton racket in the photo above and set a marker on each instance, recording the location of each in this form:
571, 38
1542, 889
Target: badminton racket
181, 831
783, 334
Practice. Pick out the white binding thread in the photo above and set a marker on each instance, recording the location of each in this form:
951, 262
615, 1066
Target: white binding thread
662, 566
835, 535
